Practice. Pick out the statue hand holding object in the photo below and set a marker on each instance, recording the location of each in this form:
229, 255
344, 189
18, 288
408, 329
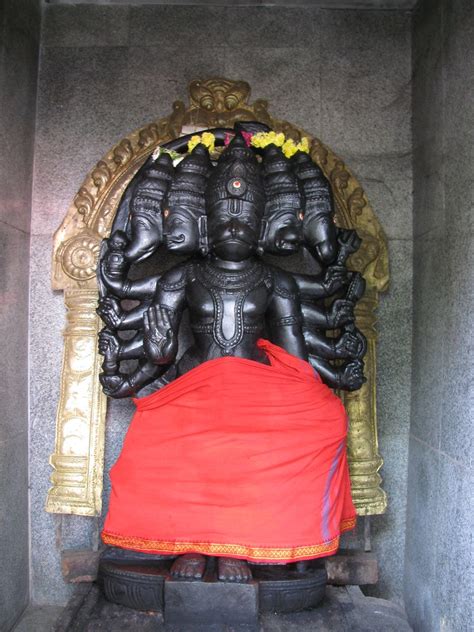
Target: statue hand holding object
350, 345
352, 376
340, 313
110, 312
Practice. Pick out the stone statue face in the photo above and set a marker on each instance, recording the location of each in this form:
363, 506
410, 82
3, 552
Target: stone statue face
146, 229
233, 231
181, 231
283, 233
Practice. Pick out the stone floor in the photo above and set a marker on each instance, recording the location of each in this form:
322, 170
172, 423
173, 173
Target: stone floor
345, 609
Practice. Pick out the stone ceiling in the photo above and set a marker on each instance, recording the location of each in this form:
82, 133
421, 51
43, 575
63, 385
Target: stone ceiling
327, 4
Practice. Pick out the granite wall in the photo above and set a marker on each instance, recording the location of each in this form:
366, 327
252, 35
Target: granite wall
343, 75
439, 555
19, 48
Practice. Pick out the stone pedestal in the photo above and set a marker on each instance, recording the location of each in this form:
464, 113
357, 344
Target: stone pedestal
197, 605
201, 605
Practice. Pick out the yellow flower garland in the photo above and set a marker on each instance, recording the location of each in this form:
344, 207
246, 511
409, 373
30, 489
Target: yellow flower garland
261, 140
207, 139
288, 145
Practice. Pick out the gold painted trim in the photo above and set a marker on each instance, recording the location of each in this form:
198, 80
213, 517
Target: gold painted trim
252, 553
78, 457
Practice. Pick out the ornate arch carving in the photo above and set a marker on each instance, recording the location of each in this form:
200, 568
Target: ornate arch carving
80, 424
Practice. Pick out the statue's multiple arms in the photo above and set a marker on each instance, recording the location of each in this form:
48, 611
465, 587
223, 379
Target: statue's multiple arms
348, 345
119, 385
348, 377
162, 319
116, 318
314, 288
348, 287
284, 315
122, 287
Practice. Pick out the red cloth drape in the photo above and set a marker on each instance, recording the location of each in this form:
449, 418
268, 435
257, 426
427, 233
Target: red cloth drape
235, 458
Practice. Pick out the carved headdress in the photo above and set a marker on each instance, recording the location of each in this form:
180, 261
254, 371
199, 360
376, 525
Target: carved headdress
235, 184
187, 188
281, 184
318, 226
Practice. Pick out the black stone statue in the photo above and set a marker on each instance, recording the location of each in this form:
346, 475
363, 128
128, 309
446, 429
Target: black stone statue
228, 214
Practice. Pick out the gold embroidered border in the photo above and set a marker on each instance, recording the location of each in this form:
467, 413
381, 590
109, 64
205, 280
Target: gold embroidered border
255, 553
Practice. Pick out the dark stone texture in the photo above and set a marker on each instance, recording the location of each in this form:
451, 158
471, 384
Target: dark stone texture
296, 96
129, 579
82, 113
39, 619
156, 85
343, 610
14, 247
14, 527
421, 521
18, 68
285, 589
438, 590
430, 277
364, 106
79, 26
352, 567
185, 27
79, 565
137, 586
19, 51
211, 603
270, 28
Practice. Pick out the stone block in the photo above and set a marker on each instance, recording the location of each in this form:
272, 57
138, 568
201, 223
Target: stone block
394, 343
427, 80
82, 112
14, 246
429, 333
85, 26
80, 565
158, 75
365, 106
23, 16
456, 436
429, 213
211, 603
293, 91
352, 567
388, 530
18, 77
420, 551
39, 619
458, 25
453, 582
14, 528
270, 27
458, 197
185, 27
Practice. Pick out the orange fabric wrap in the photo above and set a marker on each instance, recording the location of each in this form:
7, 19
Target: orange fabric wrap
235, 458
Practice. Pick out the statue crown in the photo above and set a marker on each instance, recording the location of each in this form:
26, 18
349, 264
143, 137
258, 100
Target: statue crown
237, 177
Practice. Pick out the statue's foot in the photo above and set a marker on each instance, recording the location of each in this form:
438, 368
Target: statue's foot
231, 570
189, 566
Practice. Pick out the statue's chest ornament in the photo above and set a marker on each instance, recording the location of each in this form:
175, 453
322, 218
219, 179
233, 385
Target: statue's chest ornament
229, 291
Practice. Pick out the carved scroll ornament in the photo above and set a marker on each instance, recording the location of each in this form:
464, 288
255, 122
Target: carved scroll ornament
80, 425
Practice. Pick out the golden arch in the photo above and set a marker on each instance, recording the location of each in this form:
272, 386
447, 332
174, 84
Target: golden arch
80, 424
